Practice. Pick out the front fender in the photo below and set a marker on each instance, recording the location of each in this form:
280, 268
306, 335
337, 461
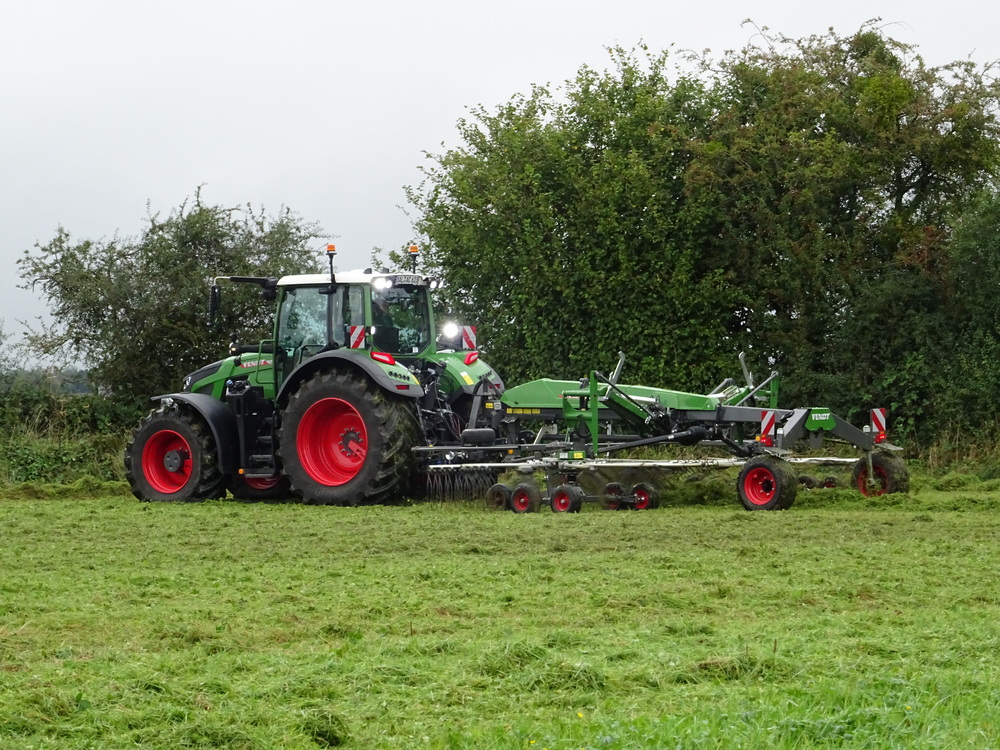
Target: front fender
220, 420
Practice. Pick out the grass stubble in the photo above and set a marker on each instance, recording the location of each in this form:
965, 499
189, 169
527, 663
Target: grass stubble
845, 622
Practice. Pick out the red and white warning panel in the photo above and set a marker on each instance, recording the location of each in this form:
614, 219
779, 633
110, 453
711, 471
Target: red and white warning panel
878, 425
767, 428
357, 334
468, 337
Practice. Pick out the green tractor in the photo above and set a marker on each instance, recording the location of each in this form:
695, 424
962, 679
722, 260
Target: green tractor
329, 408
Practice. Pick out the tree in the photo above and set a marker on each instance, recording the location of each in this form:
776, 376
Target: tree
557, 228
134, 309
836, 168
794, 200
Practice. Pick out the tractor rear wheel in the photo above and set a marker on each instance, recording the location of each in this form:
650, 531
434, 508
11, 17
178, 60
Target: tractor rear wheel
766, 483
888, 471
172, 457
344, 440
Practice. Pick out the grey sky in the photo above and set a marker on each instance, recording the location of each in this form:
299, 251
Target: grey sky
325, 107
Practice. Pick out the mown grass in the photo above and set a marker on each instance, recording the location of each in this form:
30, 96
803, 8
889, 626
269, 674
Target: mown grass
845, 622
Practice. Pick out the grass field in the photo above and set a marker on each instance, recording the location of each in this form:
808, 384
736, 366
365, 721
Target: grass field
843, 622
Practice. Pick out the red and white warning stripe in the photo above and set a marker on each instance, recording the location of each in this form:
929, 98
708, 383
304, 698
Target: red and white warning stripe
469, 337
357, 334
878, 426
767, 427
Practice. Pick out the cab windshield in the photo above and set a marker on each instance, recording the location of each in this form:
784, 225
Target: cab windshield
399, 315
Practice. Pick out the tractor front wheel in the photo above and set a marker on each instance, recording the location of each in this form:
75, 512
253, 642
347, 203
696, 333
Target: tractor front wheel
889, 475
344, 440
766, 483
172, 457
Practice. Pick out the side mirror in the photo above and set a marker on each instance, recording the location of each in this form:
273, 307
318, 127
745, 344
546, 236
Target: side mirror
214, 300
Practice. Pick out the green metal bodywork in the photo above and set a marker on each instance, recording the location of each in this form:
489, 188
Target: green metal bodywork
586, 404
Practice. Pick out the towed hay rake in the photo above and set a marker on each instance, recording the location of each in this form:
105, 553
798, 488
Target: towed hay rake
561, 430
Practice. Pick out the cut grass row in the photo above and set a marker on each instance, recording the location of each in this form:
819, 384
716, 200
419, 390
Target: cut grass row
844, 622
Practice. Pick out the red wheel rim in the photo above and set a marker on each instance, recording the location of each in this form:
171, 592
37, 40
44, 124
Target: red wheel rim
613, 491
332, 442
561, 502
881, 482
641, 498
520, 501
261, 483
759, 486
164, 448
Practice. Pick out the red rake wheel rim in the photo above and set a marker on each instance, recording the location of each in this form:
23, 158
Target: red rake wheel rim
164, 449
642, 498
561, 502
881, 482
520, 501
613, 490
332, 442
759, 486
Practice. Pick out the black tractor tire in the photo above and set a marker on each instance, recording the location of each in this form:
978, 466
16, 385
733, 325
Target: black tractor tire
525, 498
646, 497
343, 440
172, 457
890, 474
567, 498
255, 489
766, 483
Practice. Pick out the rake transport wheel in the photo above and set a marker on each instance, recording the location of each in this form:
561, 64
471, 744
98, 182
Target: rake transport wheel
260, 488
344, 441
567, 498
613, 491
172, 457
646, 497
889, 475
766, 483
498, 497
525, 498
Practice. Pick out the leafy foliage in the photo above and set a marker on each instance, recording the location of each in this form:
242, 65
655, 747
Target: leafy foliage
794, 200
134, 309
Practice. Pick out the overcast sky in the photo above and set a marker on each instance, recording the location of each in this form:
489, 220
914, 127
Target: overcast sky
320, 105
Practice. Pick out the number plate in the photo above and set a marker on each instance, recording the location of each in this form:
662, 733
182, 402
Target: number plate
407, 280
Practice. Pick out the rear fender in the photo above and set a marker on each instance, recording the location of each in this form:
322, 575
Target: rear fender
220, 420
393, 378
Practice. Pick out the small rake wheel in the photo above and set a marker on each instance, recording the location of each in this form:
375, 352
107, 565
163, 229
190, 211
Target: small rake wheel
646, 497
766, 483
567, 498
498, 497
889, 473
613, 492
525, 498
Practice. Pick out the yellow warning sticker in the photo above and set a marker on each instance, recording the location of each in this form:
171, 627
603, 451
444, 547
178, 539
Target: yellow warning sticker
468, 380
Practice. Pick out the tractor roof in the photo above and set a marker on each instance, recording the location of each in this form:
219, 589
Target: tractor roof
347, 277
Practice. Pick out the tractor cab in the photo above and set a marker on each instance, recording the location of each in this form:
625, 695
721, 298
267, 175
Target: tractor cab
389, 314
